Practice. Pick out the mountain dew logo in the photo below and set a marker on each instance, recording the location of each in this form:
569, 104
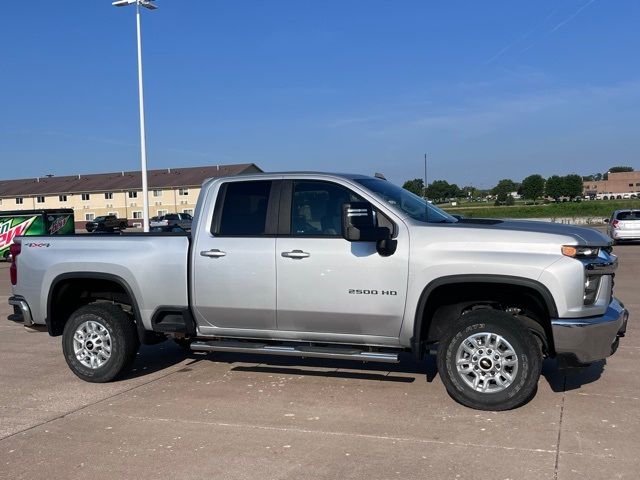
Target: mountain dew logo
8, 232
58, 224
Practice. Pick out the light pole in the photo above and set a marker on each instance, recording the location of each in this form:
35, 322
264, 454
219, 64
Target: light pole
148, 4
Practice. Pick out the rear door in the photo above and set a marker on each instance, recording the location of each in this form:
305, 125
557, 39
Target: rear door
327, 284
234, 277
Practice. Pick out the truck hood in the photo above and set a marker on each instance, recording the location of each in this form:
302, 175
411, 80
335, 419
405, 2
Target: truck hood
581, 235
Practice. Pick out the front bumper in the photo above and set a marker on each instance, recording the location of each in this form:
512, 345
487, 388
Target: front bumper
590, 339
21, 310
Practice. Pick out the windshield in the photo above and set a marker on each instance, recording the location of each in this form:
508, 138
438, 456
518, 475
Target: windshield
411, 204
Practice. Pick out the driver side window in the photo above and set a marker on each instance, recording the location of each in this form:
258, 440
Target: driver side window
316, 208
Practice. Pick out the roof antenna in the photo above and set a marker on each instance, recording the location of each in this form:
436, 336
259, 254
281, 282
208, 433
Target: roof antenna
380, 176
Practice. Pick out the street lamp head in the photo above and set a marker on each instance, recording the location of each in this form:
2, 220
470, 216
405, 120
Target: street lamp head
143, 3
147, 4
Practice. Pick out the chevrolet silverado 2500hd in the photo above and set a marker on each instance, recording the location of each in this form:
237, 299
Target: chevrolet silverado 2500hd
334, 266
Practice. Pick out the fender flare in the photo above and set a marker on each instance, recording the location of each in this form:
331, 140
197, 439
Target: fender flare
142, 333
416, 342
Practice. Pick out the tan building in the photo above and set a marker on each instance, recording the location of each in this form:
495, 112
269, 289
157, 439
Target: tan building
171, 190
618, 183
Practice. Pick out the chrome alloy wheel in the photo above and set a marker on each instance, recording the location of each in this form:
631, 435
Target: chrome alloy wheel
486, 362
92, 344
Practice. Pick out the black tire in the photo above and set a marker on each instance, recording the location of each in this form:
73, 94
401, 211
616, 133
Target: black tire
123, 335
524, 383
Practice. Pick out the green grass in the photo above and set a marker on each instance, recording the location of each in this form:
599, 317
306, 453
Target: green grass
594, 208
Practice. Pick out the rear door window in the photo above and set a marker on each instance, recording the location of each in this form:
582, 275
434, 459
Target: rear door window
244, 209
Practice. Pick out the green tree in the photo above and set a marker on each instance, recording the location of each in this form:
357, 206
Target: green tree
505, 187
415, 186
620, 168
533, 187
554, 187
455, 191
572, 186
469, 191
440, 190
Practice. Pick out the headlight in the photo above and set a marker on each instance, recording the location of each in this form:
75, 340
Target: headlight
580, 252
591, 286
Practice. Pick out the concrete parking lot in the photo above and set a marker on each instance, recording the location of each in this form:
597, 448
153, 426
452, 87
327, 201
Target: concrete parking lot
247, 417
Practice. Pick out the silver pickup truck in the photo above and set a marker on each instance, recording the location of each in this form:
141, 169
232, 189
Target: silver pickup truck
333, 266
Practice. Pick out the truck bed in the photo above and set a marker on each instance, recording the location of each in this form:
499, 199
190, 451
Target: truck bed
152, 266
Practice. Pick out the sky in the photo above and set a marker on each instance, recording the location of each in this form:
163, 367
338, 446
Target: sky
489, 90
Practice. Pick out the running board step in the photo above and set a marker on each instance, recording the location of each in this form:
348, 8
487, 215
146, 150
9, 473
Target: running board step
308, 351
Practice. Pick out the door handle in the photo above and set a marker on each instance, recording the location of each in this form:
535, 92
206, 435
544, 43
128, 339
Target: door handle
296, 254
213, 253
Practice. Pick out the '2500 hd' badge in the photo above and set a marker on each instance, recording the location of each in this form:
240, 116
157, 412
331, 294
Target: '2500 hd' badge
354, 291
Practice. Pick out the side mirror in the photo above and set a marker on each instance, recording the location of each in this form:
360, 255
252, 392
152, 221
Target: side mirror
359, 225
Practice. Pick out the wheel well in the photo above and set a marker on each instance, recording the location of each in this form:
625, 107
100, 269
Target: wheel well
67, 295
444, 304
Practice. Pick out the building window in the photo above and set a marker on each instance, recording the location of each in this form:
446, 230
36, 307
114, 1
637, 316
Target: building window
19, 201
86, 197
188, 210
62, 198
115, 214
157, 193
137, 215
631, 184
39, 199
183, 191
89, 216
161, 213
133, 194
637, 184
108, 195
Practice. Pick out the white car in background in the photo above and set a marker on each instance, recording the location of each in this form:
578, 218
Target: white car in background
182, 220
624, 225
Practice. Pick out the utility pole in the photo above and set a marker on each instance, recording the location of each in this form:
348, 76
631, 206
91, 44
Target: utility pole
425, 176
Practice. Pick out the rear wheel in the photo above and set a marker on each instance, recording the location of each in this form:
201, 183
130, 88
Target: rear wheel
99, 342
489, 360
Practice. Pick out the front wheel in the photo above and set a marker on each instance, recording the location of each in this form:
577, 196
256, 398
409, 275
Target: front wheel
99, 342
489, 360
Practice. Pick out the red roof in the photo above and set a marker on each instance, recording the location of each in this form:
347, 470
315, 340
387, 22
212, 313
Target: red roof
119, 181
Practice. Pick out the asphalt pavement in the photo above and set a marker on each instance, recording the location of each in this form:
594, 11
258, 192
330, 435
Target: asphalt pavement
232, 416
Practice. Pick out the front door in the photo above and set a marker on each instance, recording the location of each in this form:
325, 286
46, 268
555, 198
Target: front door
234, 279
327, 284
